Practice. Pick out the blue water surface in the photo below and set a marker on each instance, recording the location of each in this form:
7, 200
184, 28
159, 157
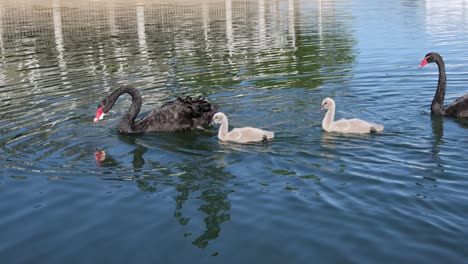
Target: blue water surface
308, 196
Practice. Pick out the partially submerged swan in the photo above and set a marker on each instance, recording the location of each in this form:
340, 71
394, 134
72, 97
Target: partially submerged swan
345, 125
459, 108
177, 115
239, 135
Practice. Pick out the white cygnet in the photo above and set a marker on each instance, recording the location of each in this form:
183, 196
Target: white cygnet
239, 135
345, 125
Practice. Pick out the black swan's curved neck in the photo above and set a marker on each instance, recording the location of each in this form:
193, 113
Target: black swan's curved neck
128, 119
437, 106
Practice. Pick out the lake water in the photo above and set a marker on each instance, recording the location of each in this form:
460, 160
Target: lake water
308, 196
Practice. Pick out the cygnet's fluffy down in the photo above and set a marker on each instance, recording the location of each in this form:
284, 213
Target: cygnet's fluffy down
239, 135
345, 125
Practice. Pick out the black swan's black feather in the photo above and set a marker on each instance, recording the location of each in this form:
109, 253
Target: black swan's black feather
177, 115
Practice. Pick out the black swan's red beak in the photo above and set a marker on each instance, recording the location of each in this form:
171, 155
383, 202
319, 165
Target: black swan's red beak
423, 62
99, 114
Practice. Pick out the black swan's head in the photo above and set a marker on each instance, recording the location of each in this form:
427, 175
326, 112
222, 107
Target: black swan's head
327, 103
103, 108
429, 58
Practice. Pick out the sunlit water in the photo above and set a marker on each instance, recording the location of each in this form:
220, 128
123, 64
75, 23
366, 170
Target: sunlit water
306, 197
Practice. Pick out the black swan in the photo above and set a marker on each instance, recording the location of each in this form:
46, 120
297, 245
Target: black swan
459, 108
177, 115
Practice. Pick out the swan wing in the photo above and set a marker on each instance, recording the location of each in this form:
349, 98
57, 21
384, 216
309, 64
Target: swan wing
355, 125
248, 134
234, 135
339, 126
179, 114
458, 108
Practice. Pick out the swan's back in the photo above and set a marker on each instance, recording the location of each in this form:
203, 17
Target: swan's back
177, 115
354, 125
248, 134
458, 108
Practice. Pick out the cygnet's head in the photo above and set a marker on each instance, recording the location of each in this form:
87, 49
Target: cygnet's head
218, 118
328, 103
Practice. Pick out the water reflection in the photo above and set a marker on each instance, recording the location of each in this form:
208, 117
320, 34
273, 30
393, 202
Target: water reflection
265, 55
442, 19
292, 23
57, 54
261, 24
213, 195
330, 140
60, 57
438, 133
140, 20
229, 31
437, 129
57, 17
215, 200
107, 31
2, 51
463, 122
104, 158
